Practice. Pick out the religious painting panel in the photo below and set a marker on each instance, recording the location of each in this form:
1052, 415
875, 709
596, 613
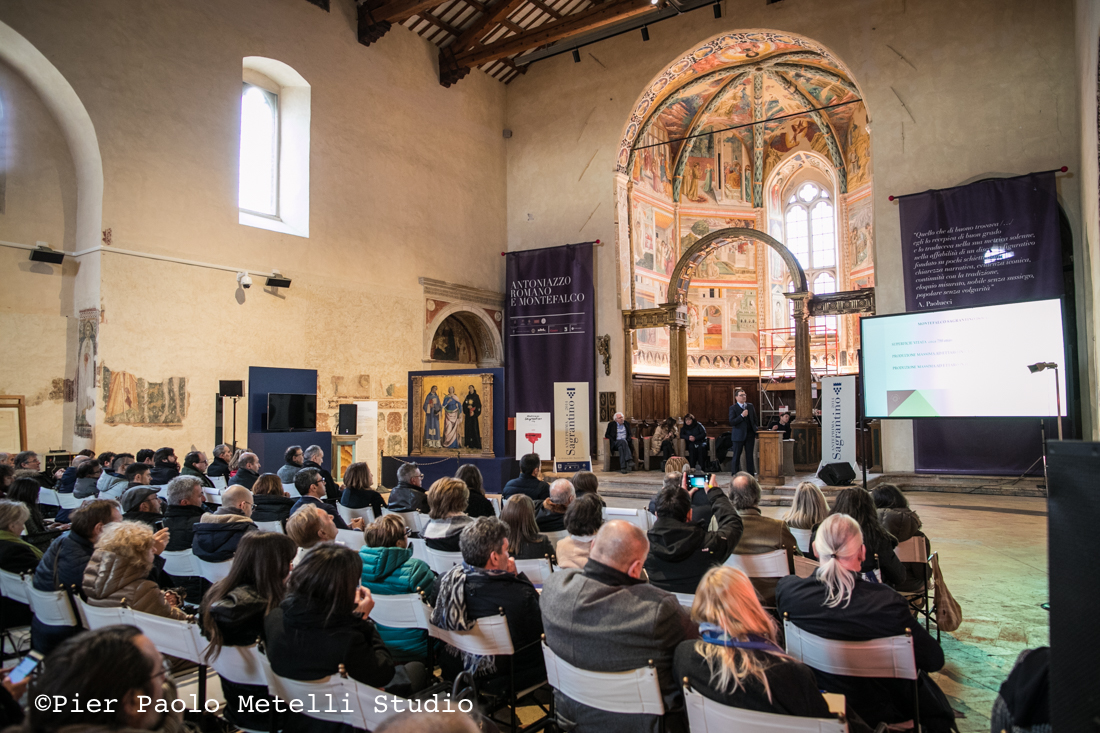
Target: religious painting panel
131, 400
453, 342
861, 247
86, 372
857, 148
712, 328
452, 412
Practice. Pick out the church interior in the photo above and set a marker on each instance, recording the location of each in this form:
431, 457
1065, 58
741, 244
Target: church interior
723, 182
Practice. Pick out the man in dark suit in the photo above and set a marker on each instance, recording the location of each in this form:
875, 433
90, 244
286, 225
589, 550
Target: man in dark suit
743, 427
618, 434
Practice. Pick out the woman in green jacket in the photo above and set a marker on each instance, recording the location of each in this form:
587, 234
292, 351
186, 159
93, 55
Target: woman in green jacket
390, 569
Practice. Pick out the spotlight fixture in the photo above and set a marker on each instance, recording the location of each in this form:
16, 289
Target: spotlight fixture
1040, 366
645, 32
717, 10
44, 254
276, 280
576, 56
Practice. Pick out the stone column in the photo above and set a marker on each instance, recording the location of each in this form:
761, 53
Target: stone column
677, 370
806, 433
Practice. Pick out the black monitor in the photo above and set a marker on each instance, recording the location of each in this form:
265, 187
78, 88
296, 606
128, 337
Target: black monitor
290, 412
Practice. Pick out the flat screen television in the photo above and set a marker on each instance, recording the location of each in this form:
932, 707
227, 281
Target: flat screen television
289, 412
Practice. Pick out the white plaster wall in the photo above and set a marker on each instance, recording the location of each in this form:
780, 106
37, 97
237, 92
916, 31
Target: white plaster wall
407, 179
989, 86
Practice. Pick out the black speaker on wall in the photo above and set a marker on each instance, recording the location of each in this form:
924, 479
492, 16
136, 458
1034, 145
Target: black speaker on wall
837, 474
348, 419
231, 388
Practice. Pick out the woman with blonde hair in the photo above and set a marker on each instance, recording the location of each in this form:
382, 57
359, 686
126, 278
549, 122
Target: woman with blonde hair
118, 573
808, 507
447, 502
837, 603
737, 661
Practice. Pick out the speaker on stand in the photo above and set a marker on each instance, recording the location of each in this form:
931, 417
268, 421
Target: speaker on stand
235, 389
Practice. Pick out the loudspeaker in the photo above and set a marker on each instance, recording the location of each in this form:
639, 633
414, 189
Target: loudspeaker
348, 415
231, 388
837, 474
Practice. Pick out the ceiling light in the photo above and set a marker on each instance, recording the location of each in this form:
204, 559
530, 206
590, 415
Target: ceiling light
645, 32
576, 56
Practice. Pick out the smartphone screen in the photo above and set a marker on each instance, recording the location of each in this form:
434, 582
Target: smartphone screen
698, 482
24, 667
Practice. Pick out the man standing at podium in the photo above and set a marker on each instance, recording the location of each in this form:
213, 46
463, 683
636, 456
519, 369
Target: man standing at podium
743, 427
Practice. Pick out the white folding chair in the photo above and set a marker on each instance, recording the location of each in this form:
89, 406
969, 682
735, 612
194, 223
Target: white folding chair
219, 482
275, 526
180, 563
415, 521
802, 538
48, 497
804, 567
68, 501
337, 689
687, 600
348, 514
402, 611
890, 657
765, 565
634, 691
915, 550
555, 537
162, 491
291, 489
708, 716
13, 588
170, 636
352, 538
537, 570
637, 517
419, 549
96, 617
212, 495
240, 664
494, 499
213, 571
440, 561
53, 608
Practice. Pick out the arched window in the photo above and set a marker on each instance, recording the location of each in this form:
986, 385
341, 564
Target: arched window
811, 236
259, 168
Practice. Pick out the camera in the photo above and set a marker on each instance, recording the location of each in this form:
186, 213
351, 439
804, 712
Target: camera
244, 280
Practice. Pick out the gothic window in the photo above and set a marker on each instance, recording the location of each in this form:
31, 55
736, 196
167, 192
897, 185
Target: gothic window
811, 236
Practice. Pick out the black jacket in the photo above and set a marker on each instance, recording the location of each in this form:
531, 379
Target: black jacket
408, 498
180, 521
218, 467
314, 501
362, 499
332, 489
695, 429
537, 489
612, 431
61, 567
149, 518
480, 506
680, 553
701, 510
549, 520
239, 616
533, 550
163, 472
271, 508
743, 429
874, 611
245, 478
67, 481
217, 541
305, 643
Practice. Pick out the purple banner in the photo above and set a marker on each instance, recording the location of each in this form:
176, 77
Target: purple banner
994, 241
550, 326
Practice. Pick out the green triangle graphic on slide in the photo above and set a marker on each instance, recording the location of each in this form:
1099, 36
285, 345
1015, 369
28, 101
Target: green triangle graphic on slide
915, 406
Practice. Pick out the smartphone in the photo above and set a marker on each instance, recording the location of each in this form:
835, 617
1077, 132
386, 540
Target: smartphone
25, 667
158, 525
697, 481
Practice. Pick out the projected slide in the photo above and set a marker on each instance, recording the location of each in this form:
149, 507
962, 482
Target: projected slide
968, 362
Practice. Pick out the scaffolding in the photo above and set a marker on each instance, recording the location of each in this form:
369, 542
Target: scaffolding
777, 367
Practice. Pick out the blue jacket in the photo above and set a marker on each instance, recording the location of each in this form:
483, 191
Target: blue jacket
537, 489
391, 571
62, 566
308, 500
65, 483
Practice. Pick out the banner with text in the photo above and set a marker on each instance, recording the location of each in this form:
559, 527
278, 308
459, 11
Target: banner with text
550, 328
838, 420
533, 434
571, 427
994, 241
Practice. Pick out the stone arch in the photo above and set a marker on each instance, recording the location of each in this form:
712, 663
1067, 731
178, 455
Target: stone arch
487, 340
694, 255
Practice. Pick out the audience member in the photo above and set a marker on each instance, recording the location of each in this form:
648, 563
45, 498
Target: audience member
7, 476
68, 477
1023, 701
408, 496
782, 424
314, 457
235, 461
585, 482
479, 504
62, 566
217, 534
141, 504
760, 534
528, 482
233, 610
484, 584
118, 572
836, 603
86, 477
145, 455
582, 520
40, 531
524, 540
138, 474
894, 512
694, 436
248, 470
16, 554
165, 467
681, 552
390, 569
272, 503
676, 464
113, 664
701, 510
309, 528
619, 434
358, 493
113, 482
550, 516
447, 499
104, 459
663, 441
857, 503
184, 511
322, 628
311, 484
194, 464
28, 461
808, 507
605, 618
7, 459
292, 464
219, 467
737, 660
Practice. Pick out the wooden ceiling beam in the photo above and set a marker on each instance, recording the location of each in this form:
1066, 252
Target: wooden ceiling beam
546, 9
376, 17
484, 25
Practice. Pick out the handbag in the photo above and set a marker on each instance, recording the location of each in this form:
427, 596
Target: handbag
948, 613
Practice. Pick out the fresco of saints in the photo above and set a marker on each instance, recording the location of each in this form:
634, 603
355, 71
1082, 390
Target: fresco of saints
432, 408
451, 408
691, 182
471, 411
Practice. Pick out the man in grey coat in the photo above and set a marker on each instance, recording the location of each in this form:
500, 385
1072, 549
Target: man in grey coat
605, 618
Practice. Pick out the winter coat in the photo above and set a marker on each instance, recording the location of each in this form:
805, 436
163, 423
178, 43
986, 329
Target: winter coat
271, 508
680, 553
217, 535
408, 498
111, 486
902, 523
572, 553
535, 488
181, 521
239, 616
550, 517
111, 581
287, 472
85, 487
61, 567
162, 472
314, 501
480, 506
192, 471
218, 468
763, 534
16, 556
532, 550
67, 481
443, 534
390, 571
245, 478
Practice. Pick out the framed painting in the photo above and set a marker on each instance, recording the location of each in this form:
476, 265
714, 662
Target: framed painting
452, 412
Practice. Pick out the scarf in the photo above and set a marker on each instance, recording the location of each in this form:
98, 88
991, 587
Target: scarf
450, 613
715, 634
6, 536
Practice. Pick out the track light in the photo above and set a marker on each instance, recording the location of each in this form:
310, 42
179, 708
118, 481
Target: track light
717, 10
276, 280
645, 32
1041, 366
576, 56
44, 254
